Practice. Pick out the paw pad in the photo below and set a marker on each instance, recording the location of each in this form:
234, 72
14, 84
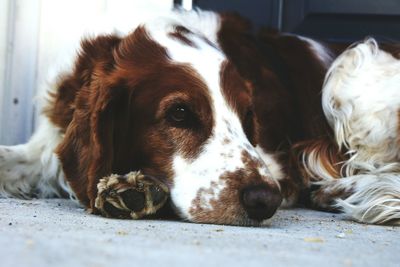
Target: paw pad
130, 196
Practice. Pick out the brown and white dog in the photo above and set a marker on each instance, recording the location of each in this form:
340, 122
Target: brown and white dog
228, 124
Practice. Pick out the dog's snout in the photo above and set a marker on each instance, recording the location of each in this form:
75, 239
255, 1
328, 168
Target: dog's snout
260, 201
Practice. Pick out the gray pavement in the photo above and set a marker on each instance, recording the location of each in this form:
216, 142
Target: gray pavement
56, 232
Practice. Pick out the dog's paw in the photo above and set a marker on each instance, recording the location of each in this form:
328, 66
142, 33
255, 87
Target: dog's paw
133, 195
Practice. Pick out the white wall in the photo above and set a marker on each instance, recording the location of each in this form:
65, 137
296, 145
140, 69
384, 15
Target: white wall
3, 48
35, 34
19, 57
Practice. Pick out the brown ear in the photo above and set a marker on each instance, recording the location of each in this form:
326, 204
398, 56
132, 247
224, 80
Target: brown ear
86, 151
93, 106
237, 41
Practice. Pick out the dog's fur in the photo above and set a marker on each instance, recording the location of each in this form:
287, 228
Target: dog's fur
361, 101
254, 117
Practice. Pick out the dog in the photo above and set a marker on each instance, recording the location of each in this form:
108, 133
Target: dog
224, 125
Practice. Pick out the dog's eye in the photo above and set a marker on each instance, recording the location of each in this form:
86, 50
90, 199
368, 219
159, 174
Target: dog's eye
181, 116
178, 113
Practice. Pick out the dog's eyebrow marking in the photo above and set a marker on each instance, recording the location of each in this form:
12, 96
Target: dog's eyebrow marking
181, 34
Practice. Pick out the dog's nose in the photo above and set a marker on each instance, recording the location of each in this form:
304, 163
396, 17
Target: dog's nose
260, 201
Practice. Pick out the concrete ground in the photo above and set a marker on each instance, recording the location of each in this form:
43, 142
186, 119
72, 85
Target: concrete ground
57, 232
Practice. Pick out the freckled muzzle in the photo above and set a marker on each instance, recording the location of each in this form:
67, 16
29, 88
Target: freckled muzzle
246, 199
236, 188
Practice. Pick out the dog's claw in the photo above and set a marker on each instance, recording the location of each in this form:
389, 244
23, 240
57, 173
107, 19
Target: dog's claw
133, 195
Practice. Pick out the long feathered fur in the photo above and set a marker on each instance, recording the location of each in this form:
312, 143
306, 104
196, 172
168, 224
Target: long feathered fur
361, 101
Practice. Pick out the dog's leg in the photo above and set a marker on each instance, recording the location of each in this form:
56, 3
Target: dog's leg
130, 196
368, 198
32, 169
18, 173
364, 195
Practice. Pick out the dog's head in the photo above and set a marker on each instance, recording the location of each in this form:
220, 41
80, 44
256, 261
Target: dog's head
168, 103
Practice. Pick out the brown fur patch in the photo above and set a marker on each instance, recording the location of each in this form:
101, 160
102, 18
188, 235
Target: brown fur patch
238, 94
95, 57
285, 77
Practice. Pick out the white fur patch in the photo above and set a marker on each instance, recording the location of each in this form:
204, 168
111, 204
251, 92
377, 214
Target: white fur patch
361, 100
374, 198
272, 164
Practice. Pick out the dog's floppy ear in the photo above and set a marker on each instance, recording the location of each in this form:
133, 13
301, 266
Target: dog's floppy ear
94, 106
88, 99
